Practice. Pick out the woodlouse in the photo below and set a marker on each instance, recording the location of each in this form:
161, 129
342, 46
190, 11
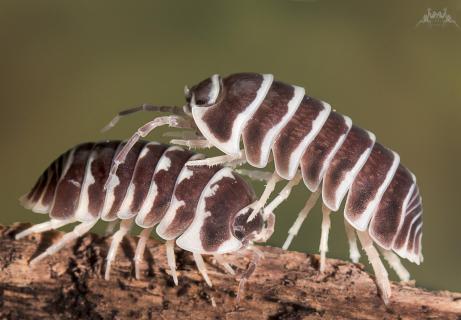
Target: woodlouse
204, 210
309, 141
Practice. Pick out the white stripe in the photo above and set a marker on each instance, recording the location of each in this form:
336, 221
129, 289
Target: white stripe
295, 156
214, 92
345, 183
271, 134
39, 207
82, 213
326, 162
362, 222
190, 239
232, 146
175, 204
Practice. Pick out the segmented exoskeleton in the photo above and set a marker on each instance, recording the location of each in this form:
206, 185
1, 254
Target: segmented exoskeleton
203, 209
308, 141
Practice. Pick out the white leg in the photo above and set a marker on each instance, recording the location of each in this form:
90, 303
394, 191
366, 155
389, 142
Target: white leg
270, 186
139, 253
354, 253
255, 174
302, 215
284, 194
382, 278
226, 265
395, 264
190, 135
110, 228
324, 236
42, 227
78, 231
257, 256
194, 143
214, 161
172, 121
125, 226
172, 260
202, 268
144, 107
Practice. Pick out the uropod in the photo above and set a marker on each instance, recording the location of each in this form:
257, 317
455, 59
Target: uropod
308, 141
204, 210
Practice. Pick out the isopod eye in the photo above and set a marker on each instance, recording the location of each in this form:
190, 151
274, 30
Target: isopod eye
205, 93
245, 230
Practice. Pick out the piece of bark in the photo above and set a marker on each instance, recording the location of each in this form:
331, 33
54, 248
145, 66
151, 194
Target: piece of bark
286, 285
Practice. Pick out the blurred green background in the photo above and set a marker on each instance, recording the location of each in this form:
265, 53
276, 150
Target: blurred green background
66, 67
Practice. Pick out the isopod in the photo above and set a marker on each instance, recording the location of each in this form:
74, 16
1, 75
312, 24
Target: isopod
311, 142
203, 209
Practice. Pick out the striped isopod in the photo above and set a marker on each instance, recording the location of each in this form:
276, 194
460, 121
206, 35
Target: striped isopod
200, 208
311, 142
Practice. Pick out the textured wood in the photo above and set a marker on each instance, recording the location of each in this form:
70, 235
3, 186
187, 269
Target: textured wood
286, 285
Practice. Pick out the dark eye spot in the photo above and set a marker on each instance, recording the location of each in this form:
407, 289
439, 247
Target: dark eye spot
201, 102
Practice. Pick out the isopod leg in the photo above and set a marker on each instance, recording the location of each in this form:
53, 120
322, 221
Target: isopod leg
354, 253
170, 257
257, 255
302, 215
125, 227
395, 264
139, 253
255, 174
202, 268
270, 186
382, 278
229, 160
324, 236
42, 227
193, 144
284, 193
172, 121
144, 107
77, 232
226, 265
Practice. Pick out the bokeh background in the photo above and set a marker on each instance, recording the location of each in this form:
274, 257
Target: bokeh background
67, 66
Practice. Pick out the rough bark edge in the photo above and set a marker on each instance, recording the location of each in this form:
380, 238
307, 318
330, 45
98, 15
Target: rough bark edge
286, 285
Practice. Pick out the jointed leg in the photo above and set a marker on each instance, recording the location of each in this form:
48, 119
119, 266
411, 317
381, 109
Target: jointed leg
283, 194
214, 161
172, 121
139, 253
193, 143
257, 255
202, 268
42, 227
255, 174
78, 231
302, 215
270, 186
226, 265
382, 278
324, 236
144, 107
395, 264
354, 253
125, 227
171, 259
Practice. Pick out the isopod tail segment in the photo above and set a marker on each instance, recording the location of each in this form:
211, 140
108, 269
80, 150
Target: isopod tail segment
300, 133
201, 209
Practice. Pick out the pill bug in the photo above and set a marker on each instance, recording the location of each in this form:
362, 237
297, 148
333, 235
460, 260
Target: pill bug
203, 209
307, 141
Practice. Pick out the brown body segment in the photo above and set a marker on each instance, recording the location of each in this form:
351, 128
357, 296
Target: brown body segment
231, 195
68, 189
386, 220
294, 132
269, 114
315, 158
239, 91
56, 172
189, 191
371, 177
357, 142
165, 181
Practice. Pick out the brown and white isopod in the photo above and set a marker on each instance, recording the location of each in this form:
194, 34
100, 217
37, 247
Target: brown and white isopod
202, 209
308, 141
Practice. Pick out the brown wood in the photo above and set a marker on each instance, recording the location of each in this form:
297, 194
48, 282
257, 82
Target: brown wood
286, 285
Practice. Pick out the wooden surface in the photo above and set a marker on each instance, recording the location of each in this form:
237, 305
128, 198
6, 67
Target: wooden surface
286, 285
